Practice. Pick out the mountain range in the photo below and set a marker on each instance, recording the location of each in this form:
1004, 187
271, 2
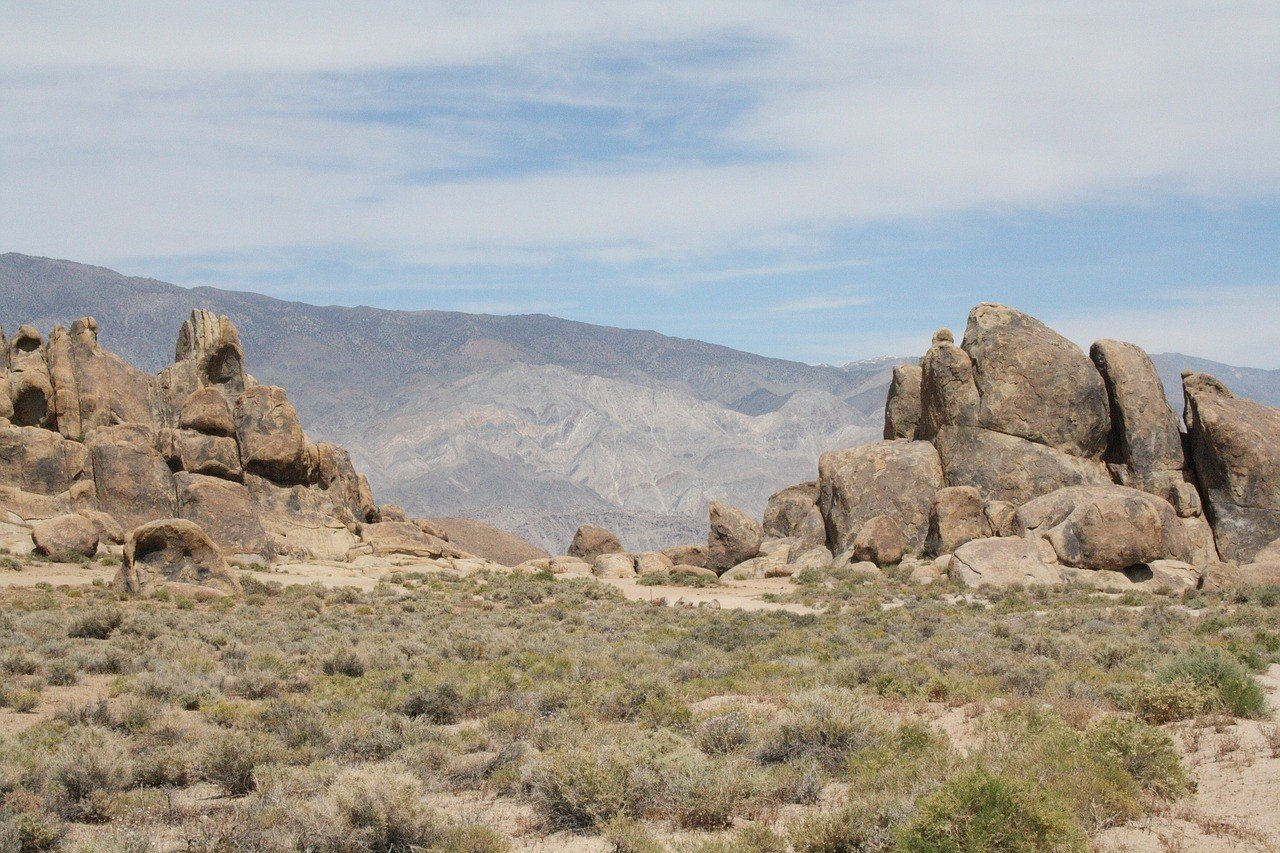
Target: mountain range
533, 423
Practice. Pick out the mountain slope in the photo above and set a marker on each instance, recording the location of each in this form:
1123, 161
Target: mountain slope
529, 422
532, 423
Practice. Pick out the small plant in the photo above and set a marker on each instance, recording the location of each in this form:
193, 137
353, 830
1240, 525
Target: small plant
440, 704
981, 811
344, 661
98, 625
583, 788
724, 733
229, 762
1228, 683
1147, 753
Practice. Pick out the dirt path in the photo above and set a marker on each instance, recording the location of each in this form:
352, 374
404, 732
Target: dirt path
729, 595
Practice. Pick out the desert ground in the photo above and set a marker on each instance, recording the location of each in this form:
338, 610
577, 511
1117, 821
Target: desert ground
341, 709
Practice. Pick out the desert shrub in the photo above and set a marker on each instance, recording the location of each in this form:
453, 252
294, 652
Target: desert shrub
24, 700
382, 809
583, 787
724, 733
1159, 702
827, 725
229, 762
96, 625
1232, 689
32, 831
1037, 749
980, 811
753, 839
343, 661
1147, 753
698, 792
90, 764
840, 831
441, 704
628, 835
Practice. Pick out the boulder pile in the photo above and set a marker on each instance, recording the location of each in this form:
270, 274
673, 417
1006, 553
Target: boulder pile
91, 447
1015, 458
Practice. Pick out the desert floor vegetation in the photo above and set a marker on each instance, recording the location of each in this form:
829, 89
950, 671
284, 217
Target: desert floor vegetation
514, 712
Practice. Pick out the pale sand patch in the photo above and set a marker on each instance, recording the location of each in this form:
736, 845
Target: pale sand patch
729, 595
90, 688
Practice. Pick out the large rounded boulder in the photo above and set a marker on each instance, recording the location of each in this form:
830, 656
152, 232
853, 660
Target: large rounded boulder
793, 513
902, 409
177, 554
894, 478
66, 537
590, 541
1036, 384
734, 537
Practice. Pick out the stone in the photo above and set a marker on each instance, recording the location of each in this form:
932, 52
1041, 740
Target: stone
225, 512
272, 443
569, 566
756, 568
881, 541
1035, 384
926, 573
65, 537
40, 461
208, 355
348, 491
695, 571
207, 411
687, 555
1201, 549
1104, 527
1160, 575
902, 408
948, 393
1001, 517
958, 516
1145, 443
1270, 553
590, 541
18, 506
1221, 577
304, 521
212, 455
1260, 574
793, 512
62, 375
733, 538
807, 557
392, 512
404, 539
1235, 449
1001, 562
1008, 468
614, 565
895, 478
108, 390
653, 561
132, 480
30, 383
174, 553
109, 530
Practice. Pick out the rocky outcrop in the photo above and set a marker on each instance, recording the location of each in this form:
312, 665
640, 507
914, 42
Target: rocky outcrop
174, 553
948, 393
1001, 562
734, 537
1008, 468
881, 541
65, 537
1105, 527
898, 479
1035, 384
1145, 447
793, 512
590, 541
902, 409
1235, 451
958, 516
83, 431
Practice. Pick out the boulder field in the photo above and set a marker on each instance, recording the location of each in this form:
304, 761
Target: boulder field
1016, 458
181, 473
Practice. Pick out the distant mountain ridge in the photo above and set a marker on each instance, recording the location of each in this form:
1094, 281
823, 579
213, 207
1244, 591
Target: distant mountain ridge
532, 423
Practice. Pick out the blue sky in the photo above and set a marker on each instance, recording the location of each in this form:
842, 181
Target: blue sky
821, 181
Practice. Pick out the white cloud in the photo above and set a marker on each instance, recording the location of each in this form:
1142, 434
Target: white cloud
169, 130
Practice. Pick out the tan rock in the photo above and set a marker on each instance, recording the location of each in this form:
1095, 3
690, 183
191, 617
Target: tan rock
1001, 562
1008, 468
733, 538
39, 461
696, 571
590, 541
109, 530
1001, 518
133, 481
895, 478
1270, 553
174, 553
30, 383
902, 408
1145, 442
687, 555
1261, 574
948, 393
1035, 384
109, 390
881, 541
1221, 577
226, 513
207, 410
1235, 447
958, 516
406, 539
793, 512
65, 537
272, 443
212, 455
653, 561
614, 565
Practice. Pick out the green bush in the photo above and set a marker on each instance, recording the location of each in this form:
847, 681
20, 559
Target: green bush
230, 760
827, 725
382, 809
979, 811
583, 788
98, 625
1166, 702
1147, 753
441, 704
1230, 685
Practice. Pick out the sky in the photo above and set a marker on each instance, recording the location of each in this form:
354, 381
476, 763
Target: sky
820, 181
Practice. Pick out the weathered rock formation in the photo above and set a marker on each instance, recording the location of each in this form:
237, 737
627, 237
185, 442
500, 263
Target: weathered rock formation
734, 537
174, 553
90, 445
590, 541
1032, 462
